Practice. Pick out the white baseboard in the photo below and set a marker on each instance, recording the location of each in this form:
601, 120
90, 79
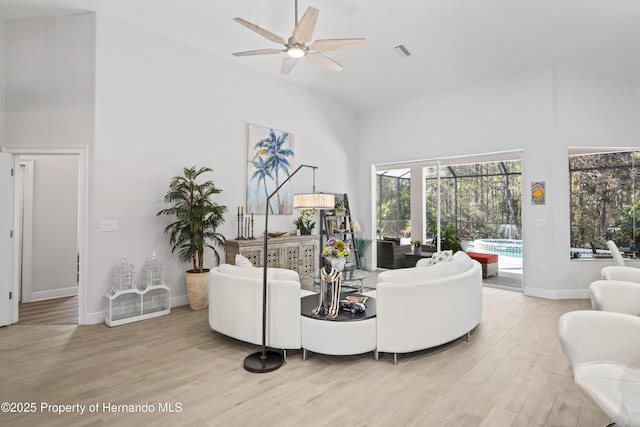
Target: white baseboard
179, 300
540, 293
54, 293
94, 318
559, 294
574, 294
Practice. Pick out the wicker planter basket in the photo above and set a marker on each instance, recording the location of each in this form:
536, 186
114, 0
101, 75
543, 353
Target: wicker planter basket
198, 290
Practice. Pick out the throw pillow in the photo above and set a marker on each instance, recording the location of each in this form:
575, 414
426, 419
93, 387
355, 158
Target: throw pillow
442, 256
242, 261
463, 259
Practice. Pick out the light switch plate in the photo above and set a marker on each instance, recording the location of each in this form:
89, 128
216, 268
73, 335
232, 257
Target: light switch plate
109, 225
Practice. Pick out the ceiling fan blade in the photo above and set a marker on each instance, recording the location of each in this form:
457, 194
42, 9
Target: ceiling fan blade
328, 45
264, 33
287, 64
324, 61
258, 52
304, 30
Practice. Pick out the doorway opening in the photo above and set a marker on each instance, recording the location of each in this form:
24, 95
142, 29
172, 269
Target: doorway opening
51, 230
473, 203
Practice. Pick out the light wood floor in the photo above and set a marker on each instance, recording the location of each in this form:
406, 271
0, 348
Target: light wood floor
58, 311
511, 373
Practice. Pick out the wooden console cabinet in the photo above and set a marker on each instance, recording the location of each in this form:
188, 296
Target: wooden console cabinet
297, 253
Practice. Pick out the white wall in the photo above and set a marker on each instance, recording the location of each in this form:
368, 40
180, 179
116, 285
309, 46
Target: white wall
162, 105
2, 72
637, 109
49, 90
590, 111
542, 113
55, 226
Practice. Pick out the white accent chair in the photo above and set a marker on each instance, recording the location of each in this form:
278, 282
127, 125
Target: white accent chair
426, 306
619, 290
235, 305
604, 352
617, 256
616, 295
618, 272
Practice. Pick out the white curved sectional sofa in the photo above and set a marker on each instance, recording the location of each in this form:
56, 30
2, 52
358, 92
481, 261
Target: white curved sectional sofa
417, 308
235, 305
426, 306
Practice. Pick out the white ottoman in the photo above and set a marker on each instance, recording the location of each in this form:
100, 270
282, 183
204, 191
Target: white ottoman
349, 333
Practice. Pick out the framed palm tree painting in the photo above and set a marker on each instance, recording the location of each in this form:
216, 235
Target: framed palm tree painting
269, 162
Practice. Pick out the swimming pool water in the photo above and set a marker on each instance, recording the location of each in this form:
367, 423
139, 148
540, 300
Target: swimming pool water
504, 247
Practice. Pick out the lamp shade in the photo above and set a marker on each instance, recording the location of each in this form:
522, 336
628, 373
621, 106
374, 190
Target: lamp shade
314, 201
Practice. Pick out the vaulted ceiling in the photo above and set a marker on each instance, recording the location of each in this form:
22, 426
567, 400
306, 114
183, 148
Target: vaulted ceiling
453, 42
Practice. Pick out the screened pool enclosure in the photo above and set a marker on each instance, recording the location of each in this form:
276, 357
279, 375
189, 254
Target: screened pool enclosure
481, 200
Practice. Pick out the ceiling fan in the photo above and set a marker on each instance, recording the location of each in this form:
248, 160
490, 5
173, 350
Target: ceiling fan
295, 47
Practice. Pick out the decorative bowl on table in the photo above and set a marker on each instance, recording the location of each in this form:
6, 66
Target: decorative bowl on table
277, 234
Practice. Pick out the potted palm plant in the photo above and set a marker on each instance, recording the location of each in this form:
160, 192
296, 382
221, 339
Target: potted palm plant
197, 218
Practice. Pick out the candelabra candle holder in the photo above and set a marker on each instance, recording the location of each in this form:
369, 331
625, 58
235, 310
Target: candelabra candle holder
252, 238
241, 227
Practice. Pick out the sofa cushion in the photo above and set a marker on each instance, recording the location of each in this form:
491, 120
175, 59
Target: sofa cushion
242, 261
436, 271
255, 273
444, 269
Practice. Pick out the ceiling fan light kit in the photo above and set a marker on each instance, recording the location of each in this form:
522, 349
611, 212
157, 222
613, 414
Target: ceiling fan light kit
295, 47
295, 52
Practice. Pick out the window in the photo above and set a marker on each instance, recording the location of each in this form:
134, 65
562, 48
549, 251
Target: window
394, 203
603, 198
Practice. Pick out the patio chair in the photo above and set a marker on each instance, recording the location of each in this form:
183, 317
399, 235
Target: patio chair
617, 256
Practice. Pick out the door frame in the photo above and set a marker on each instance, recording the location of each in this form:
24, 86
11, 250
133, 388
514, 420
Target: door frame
440, 161
26, 229
83, 177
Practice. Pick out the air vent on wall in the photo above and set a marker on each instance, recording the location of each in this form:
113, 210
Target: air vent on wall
402, 51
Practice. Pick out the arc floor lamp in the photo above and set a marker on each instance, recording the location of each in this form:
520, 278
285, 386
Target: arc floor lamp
269, 360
